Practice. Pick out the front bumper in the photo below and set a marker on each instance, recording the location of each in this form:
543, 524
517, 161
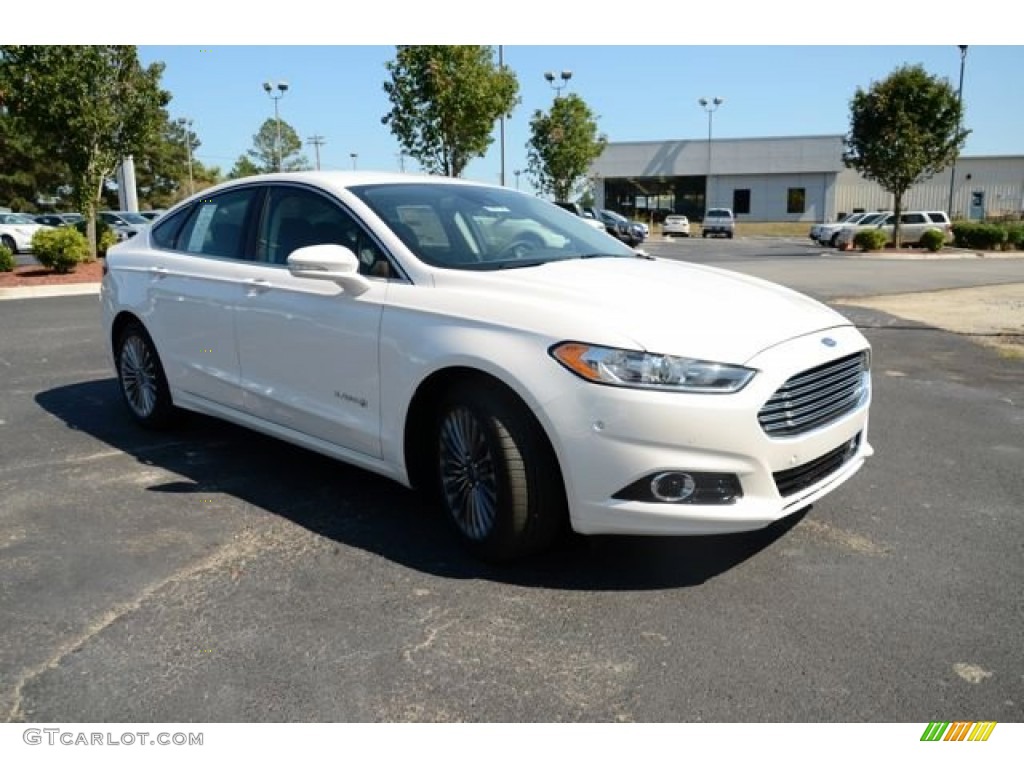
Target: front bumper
609, 438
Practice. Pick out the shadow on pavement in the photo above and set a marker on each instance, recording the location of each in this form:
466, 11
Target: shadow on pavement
359, 509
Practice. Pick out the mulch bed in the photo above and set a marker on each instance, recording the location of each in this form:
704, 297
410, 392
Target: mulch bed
34, 274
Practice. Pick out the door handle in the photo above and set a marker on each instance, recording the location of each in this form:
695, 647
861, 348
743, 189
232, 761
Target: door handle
158, 272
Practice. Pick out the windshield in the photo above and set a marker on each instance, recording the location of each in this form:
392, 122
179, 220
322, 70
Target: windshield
463, 226
15, 218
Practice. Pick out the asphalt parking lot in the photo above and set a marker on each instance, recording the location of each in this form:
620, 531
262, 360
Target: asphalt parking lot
213, 575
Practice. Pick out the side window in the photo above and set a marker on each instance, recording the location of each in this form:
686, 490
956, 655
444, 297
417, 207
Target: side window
913, 218
165, 234
295, 218
216, 225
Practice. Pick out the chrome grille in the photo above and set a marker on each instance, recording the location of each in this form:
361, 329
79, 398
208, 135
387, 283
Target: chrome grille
816, 397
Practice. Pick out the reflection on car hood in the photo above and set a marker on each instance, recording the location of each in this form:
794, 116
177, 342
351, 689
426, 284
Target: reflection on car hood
662, 306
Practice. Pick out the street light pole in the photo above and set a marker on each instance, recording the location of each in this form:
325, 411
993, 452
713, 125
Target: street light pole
186, 124
960, 104
501, 66
517, 173
354, 156
709, 105
276, 91
558, 83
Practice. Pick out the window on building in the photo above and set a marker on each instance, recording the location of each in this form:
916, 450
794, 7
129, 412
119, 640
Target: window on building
796, 200
741, 201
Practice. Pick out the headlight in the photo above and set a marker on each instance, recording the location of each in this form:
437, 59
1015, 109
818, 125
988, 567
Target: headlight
645, 370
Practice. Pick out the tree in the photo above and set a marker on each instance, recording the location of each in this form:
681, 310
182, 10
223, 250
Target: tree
262, 158
563, 143
27, 174
445, 100
162, 172
89, 105
904, 130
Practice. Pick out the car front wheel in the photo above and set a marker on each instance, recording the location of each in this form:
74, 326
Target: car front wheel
497, 475
141, 377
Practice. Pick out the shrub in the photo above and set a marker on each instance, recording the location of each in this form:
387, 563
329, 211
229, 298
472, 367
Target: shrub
105, 236
984, 237
933, 240
6, 259
870, 240
60, 249
1015, 236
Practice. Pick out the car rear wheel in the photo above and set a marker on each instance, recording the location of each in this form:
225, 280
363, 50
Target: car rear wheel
497, 476
141, 377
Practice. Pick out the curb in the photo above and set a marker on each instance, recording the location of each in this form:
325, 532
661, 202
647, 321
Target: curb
47, 291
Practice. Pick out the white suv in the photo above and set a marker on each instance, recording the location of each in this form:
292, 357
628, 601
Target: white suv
718, 221
844, 237
913, 224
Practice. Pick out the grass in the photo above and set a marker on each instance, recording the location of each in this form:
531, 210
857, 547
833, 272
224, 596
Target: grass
759, 229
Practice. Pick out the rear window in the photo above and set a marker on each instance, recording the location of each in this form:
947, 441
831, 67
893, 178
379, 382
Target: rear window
938, 217
721, 213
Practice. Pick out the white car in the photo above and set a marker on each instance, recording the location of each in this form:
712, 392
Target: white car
675, 224
843, 239
826, 233
529, 387
16, 231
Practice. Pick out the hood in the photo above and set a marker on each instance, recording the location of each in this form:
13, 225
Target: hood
661, 306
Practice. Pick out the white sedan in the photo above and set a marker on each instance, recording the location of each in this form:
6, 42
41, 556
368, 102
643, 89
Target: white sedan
675, 224
16, 231
530, 383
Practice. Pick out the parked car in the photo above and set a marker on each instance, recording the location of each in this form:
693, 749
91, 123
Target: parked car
16, 231
618, 226
913, 224
125, 224
718, 221
152, 215
585, 215
826, 234
844, 238
58, 219
676, 224
528, 390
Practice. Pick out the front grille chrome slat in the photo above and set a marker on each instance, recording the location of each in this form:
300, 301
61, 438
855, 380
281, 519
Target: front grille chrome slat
815, 397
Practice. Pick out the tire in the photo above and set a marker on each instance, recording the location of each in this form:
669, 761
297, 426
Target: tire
835, 240
704, 234
141, 378
729, 235
8, 242
496, 475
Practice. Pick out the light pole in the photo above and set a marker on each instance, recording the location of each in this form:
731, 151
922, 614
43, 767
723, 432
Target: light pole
501, 66
517, 173
558, 83
276, 91
354, 156
186, 125
960, 105
709, 106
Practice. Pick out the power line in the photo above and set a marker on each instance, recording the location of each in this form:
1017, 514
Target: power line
317, 141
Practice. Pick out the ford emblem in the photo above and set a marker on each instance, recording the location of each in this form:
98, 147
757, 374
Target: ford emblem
829, 342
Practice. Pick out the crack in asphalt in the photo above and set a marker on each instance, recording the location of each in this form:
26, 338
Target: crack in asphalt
244, 545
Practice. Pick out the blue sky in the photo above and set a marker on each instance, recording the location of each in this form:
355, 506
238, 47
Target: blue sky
638, 92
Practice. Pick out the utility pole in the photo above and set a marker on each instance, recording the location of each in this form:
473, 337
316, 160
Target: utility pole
501, 65
317, 141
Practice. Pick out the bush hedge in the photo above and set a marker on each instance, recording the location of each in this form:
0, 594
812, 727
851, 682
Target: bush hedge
933, 240
105, 236
984, 237
60, 249
6, 259
870, 240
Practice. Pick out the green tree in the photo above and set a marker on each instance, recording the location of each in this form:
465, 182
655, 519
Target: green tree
563, 143
262, 158
27, 173
445, 100
162, 172
89, 105
904, 130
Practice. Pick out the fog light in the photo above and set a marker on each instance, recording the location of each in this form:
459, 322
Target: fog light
672, 486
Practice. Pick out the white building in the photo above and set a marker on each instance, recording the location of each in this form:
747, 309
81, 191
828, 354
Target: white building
795, 178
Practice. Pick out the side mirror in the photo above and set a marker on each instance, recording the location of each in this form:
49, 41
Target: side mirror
329, 262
